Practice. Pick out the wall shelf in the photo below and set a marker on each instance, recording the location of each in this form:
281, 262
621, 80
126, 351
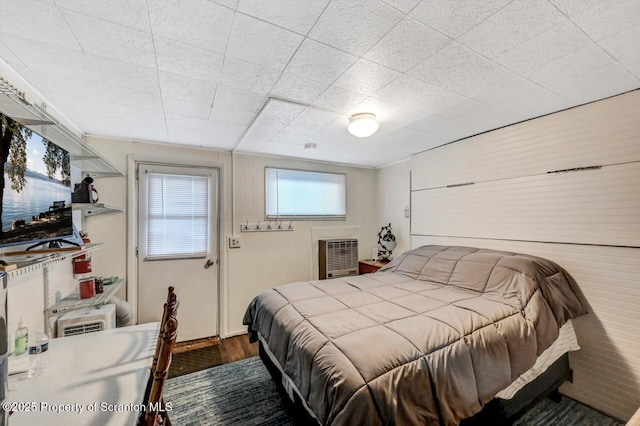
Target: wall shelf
89, 209
27, 264
95, 166
73, 301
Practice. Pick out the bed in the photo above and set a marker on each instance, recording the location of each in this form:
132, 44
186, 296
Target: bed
431, 338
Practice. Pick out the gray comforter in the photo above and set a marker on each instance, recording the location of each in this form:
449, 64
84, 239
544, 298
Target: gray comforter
428, 339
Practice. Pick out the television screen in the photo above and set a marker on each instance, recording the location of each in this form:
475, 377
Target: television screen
35, 202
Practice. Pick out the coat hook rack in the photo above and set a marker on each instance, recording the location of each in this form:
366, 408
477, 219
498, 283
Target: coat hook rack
269, 226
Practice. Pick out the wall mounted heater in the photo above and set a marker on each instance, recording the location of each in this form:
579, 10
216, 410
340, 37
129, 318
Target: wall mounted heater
87, 320
338, 257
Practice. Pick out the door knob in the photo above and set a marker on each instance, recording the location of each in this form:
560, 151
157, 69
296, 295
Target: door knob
209, 264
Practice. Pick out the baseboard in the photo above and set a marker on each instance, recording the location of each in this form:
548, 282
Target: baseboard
234, 333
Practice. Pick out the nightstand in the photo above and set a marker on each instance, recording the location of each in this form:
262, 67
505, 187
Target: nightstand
368, 266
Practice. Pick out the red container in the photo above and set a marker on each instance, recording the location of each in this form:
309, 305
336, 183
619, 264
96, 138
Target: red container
87, 288
81, 266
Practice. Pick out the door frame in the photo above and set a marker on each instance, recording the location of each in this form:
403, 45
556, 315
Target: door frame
132, 229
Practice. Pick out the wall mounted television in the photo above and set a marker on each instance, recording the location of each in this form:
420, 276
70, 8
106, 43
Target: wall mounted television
35, 188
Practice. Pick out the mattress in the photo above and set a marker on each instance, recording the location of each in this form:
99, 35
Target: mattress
567, 341
430, 339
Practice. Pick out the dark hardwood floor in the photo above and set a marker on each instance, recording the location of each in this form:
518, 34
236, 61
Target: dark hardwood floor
195, 355
237, 348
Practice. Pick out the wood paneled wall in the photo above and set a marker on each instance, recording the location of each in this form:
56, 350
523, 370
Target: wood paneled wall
565, 187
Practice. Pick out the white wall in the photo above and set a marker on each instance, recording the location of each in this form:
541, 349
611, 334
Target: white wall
265, 259
587, 221
393, 189
269, 259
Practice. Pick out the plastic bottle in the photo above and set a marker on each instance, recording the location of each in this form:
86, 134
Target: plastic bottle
38, 358
22, 339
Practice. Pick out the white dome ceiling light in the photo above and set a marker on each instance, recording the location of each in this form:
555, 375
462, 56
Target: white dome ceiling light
363, 124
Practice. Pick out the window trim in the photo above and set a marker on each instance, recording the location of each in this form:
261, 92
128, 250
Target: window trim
306, 217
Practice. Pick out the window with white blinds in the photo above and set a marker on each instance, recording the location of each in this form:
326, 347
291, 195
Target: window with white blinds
177, 215
297, 194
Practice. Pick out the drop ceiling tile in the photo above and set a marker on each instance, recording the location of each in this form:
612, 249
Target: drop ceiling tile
448, 129
36, 21
411, 142
336, 132
434, 99
406, 45
310, 121
81, 89
131, 13
9, 57
479, 116
297, 89
623, 46
585, 75
609, 18
545, 48
203, 24
124, 127
262, 43
402, 90
232, 116
187, 108
355, 25
382, 109
572, 8
247, 76
406, 116
99, 110
338, 99
255, 138
294, 15
182, 59
294, 139
237, 99
222, 136
178, 87
231, 4
524, 98
366, 77
125, 44
276, 115
203, 132
455, 17
403, 5
319, 62
459, 69
513, 25
74, 63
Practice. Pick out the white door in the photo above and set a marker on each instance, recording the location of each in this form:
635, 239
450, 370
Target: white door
178, 245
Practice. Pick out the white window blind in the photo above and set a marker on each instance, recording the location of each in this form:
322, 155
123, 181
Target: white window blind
297, 194
177, 215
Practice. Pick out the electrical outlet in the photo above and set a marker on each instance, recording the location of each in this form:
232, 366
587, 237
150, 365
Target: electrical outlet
234, 242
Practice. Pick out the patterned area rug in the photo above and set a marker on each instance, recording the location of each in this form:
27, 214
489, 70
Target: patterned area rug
243, 393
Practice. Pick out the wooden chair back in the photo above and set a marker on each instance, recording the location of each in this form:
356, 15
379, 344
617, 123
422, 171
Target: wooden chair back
155, 413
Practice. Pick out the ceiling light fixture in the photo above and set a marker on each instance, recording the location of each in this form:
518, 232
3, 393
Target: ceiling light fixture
363, 124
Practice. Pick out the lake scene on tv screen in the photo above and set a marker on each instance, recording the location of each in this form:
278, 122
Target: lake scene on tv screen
41, 210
